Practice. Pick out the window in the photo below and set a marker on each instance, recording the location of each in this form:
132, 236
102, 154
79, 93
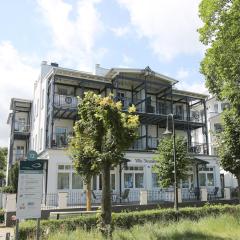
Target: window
188, 182
21, 125
113, 181
100, 182
128, 180
94, 181
62, 91
216, 108
37, 108
218, 127
206, 177
61, 137
41, 140
121, 97
63, 180
225, 106
155, 180
42, 99
77, 182
20, 153
179, 112
139, 180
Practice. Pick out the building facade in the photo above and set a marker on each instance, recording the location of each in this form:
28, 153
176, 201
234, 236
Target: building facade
53, 111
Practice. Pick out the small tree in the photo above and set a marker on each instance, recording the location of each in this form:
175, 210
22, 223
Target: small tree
229, 144
3, 164
101, 135
164, 166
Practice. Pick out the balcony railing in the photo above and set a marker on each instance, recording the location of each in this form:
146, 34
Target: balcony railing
21, 127
61, 140
198, 148
140, 144
65, 101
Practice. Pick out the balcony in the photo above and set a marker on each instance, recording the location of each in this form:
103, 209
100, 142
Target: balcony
140, 144
64, 101
20, 157
61, 140
21, 127
198, 148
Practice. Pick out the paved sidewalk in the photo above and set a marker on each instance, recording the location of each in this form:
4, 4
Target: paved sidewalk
4, 230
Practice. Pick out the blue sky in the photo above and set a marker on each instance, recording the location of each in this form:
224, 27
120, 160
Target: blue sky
78, 34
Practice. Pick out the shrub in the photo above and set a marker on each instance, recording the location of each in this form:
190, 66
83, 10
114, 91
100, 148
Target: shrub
126, 220
7, 189
1, 216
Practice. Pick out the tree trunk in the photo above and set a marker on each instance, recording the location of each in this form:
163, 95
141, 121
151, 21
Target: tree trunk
106, 206
89, 201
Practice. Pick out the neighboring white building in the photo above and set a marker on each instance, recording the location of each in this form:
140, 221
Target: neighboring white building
54, 111
214, 110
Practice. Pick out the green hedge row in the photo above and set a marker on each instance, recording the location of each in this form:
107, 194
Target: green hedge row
1, 216
125, 219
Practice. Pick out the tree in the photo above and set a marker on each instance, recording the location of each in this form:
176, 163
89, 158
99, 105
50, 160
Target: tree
229, 143
3, 163
13, 176
221, 34
101, 135
164, 166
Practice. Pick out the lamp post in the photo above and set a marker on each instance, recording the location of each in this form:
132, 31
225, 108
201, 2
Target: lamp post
167, 132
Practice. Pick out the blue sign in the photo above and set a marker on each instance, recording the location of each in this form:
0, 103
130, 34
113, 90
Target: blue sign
32, 155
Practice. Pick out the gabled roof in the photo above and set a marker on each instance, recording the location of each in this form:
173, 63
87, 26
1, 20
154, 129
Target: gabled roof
115, 71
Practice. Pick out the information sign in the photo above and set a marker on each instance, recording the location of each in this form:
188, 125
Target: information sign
30, 187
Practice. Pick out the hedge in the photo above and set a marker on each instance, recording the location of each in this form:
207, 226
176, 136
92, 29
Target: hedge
125, 220
1, 216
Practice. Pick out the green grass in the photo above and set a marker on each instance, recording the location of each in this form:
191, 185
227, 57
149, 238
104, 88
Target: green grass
209, 228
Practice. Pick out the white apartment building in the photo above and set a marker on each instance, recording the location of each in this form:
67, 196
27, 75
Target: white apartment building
214, 110
53, 111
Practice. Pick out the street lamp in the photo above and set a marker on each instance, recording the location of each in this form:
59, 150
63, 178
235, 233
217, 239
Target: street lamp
167, 132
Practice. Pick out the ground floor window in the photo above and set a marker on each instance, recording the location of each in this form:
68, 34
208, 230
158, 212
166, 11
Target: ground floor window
206, 177
187, 182
155, 180
68, 179
133, 177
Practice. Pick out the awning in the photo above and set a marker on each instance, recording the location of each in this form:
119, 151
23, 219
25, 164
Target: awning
199, 161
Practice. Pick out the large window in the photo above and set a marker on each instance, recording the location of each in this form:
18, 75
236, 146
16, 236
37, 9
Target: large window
133, 177
68, 179
63, 180
206, 177
61, 137
113, 186
155, 180
188, 181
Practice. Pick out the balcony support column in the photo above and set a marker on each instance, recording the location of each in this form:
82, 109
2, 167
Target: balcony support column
206, 127
146, 136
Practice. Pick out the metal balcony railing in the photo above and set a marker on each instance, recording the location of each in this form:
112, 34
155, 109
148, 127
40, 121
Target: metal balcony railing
21, 127
198, 148
65, 101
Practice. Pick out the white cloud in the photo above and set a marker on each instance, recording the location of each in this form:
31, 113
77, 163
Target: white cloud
196, 86
182, 74
120, 31
73, 38
17, 80
170, 26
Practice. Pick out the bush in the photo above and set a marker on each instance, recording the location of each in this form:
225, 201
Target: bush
7, 189
1, 216
125, 220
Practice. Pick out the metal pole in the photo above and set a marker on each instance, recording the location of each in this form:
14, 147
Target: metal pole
175, 167
120, 182
17, 230
38, 229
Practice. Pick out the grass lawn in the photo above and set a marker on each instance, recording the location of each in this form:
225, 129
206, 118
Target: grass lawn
210, 228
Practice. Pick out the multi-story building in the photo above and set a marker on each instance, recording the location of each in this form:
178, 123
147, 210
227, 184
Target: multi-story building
54, 111
214, 111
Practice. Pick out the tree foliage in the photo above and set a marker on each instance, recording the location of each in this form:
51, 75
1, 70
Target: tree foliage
229, 143
3, 163
221, 34
101, 135
13, 176
164, 166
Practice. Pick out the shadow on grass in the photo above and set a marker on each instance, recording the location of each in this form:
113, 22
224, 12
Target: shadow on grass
188, 235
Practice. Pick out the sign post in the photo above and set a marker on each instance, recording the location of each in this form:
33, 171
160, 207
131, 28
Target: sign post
30, 187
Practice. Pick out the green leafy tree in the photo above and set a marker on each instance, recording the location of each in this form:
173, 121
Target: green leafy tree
221, 35
3, 163
13, 177
229, 143
101, 135
164, 166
